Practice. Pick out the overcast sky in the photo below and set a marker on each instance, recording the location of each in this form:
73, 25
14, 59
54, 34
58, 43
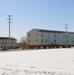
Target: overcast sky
42, 14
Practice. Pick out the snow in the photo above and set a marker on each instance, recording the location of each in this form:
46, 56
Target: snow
38, 62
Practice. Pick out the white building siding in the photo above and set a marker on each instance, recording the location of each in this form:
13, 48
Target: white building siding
4, 42
44, 39
35, 37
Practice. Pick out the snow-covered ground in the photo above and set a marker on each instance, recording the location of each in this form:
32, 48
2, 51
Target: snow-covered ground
37, 62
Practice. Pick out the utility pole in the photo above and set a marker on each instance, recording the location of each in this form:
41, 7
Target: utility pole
66, 26
9, 21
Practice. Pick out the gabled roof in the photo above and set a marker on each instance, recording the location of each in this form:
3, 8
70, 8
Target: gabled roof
11, 38
53, 31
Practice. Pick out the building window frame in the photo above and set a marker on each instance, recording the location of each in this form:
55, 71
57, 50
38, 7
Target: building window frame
55, 35
67, 41
36, 40
29, 35
55, 41
41, 40
63, 36
67, 36
46, 40
42, 35
28, 40
36, 34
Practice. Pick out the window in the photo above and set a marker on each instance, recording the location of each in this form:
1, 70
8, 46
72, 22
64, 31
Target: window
42, 35
55, 35
73, 41
63, 36
36, 34
28, 40
46, 40
1, 46
67, 41
55, 41
42, 40
29, 35
36, 40
67, 36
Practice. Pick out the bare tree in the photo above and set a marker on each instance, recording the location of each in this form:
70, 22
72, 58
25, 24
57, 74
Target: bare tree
22, 43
